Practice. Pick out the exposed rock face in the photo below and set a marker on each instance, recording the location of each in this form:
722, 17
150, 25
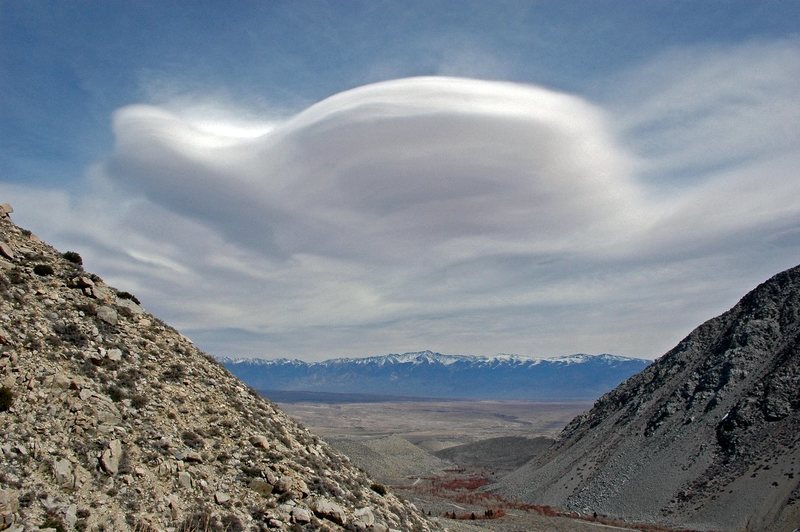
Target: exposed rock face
707, 437
111, 420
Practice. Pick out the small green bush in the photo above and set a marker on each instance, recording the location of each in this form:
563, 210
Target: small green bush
43, 270
6, 399
73, 257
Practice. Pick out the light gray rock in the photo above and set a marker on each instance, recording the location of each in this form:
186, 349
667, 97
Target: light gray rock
71, 515
327, 509
186, 455
301, 515
221, 497
130, 305
259, 440
364, 518
110, 458
9, 504
184, 480
6, 250
107, 314
62, 470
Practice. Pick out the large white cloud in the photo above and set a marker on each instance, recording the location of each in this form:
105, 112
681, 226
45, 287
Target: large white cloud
452, 165
456, 214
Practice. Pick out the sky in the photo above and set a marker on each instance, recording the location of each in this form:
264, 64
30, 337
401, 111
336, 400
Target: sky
316, 179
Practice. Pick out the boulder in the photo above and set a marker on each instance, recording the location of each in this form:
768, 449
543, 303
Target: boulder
301, 515
327, 509
107, 314
6, 251
62, 470
364, 518
109, 459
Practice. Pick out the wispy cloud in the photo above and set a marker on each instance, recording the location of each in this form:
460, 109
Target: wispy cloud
452, 213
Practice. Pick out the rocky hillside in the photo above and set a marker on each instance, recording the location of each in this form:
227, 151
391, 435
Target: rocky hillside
706, 437
111, 420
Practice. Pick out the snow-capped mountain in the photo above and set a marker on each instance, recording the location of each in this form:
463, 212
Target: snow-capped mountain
429, 374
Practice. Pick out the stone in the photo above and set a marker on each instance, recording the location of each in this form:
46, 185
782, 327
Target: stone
71, 516
83, 282
284, 484
114, 355
185, 479
261, 487
261, 441
130, 305
174, 506
189, 456
6, 251
221, 497
301, 515
9, 501
62, 470
109, 459
364, 518
327, 509
107, 314
6, 209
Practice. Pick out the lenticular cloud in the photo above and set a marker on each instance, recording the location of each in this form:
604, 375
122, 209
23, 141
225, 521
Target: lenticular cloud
455, 167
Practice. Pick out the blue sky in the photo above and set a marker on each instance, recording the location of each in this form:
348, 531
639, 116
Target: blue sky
568, 176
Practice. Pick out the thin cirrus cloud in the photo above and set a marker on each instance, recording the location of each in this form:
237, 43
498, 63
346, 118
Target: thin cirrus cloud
457, 214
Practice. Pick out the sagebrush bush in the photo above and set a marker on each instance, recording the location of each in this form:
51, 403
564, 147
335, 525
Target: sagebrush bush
6, 399
43, 270
73, 257
128, 295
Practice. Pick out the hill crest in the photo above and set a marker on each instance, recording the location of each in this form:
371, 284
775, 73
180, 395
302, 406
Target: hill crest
112, 420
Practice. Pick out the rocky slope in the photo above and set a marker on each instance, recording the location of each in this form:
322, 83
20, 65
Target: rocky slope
428, 374
111, 420
706, 437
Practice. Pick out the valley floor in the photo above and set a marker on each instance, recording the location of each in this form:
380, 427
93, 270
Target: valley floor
409, 446
435, 425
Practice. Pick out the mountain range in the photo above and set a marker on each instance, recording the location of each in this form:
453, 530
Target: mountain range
434, 375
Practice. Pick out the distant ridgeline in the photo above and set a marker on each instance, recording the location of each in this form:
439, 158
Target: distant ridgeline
433, 375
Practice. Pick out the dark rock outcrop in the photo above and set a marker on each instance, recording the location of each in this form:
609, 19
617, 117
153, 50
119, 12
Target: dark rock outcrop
707, 437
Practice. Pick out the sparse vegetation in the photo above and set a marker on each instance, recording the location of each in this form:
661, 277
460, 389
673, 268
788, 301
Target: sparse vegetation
43, 270
192, 439
380, 489
116, 393
73, 257
175, 373
71, 334
6, 399
128, 295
